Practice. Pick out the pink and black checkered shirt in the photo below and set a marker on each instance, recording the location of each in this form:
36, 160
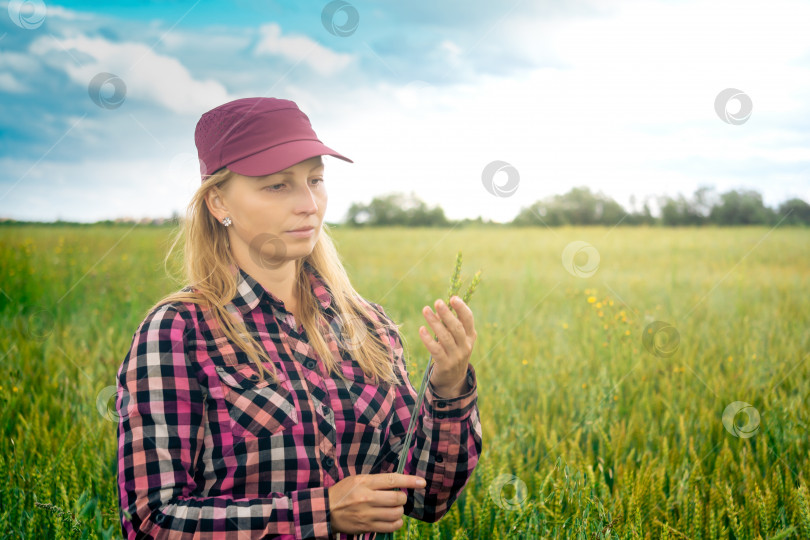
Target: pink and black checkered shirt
206, 450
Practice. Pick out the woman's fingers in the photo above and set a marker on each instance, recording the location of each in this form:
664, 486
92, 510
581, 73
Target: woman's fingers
451, 322
441, 331
389, 498
465, 315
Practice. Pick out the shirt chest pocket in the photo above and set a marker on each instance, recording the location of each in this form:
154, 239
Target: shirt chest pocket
257, 408
372, 405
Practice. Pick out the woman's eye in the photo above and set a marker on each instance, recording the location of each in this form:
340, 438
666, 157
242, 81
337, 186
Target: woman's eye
279, 186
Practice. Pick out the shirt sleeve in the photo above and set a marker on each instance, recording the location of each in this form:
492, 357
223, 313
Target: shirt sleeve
445, 446
161, 410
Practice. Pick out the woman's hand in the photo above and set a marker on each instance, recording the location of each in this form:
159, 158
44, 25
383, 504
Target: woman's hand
452, 352
366, 502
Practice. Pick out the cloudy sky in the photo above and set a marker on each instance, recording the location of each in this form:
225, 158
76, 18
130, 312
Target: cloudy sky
630, 98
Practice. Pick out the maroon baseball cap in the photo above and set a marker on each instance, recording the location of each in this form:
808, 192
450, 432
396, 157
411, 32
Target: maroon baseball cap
256, 136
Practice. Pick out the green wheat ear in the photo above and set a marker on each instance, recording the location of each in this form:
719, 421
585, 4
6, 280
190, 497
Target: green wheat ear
455, 286
455, 283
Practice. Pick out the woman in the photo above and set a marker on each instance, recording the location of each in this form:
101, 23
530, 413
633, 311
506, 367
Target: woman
269, 399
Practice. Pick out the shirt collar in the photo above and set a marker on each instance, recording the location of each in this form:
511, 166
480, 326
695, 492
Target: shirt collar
249, 292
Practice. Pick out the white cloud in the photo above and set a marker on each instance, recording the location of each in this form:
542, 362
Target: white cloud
631, 113
8, 83
627, 109
300, 48
148, 76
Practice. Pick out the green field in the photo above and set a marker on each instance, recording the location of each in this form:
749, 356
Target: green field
600, 437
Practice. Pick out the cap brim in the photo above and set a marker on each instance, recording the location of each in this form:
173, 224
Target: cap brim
278, 158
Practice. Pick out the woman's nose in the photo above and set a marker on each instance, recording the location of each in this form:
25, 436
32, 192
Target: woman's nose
306, 201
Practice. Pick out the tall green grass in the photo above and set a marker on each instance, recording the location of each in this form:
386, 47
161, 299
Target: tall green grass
586, 433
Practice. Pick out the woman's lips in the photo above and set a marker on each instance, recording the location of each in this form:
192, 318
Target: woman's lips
302, 232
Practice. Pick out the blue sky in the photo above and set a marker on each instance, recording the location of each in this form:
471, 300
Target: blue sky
616, 95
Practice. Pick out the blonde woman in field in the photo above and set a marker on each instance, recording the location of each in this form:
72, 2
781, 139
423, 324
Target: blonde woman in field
268, 399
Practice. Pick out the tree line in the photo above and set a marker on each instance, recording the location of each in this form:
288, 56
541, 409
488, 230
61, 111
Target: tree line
581, 206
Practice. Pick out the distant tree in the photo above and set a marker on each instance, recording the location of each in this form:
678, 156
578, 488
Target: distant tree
796, 210
682, 211
577, 207
743, 207
396, 209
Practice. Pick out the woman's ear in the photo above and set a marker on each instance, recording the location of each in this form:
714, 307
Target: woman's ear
213, 199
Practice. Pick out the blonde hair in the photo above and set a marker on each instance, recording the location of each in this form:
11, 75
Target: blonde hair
207, 263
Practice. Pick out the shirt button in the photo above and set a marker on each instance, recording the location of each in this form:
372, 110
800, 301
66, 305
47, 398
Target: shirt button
310, 364
324, 410
328, 461
159, 518
439, 458
440, 415
440, 403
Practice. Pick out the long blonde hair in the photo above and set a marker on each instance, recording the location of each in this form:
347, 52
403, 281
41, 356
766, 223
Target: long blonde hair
207, 263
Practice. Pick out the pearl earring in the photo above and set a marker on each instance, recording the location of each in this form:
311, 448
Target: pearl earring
227, 221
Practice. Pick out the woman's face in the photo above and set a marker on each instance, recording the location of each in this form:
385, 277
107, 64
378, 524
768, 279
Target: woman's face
265, 209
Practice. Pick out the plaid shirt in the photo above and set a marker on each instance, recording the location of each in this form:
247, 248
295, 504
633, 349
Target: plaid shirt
206, 449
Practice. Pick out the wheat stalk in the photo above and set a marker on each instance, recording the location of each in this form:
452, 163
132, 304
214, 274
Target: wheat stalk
455, 287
